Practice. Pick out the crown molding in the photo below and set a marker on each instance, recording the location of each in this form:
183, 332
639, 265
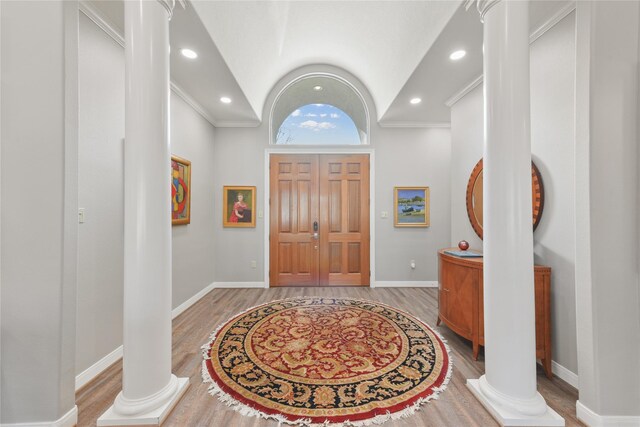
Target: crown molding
552, 21
535, 35
102, 22
441, 125
231, 124
116, 34
464, 91
192, 103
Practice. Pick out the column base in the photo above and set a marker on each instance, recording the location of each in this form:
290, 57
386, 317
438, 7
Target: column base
509, 417
155, 417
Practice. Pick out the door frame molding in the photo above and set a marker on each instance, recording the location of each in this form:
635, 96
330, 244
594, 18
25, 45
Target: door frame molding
316, 150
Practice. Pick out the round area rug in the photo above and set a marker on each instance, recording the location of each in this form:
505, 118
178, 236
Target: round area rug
326, 361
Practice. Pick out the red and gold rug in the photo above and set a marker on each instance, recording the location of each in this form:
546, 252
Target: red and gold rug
326, 361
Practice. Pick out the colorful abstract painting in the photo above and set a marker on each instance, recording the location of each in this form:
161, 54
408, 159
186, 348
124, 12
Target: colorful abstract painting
180, 191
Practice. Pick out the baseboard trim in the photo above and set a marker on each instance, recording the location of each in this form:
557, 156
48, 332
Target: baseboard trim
188, 303
564, 374
69, 419
227, 285
592, 419
97, 368
406, 284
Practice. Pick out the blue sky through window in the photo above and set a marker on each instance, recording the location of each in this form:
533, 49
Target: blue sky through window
318, 124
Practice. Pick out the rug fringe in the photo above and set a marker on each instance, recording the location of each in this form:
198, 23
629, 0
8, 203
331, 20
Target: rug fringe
246, 410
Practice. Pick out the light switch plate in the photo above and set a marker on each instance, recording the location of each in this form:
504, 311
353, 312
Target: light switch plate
81, 215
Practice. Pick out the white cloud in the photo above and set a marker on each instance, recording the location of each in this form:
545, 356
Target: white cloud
326, 125
296, 113
319, 105
335, 115
316, 126
312, 115
323, 115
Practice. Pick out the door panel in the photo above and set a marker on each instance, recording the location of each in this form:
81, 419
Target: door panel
344, 219
334, 191
294, 208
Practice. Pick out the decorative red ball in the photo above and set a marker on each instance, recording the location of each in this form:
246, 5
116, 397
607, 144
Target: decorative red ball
463, 245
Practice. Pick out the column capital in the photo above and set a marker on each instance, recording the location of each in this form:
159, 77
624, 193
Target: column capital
168, 5
483, 6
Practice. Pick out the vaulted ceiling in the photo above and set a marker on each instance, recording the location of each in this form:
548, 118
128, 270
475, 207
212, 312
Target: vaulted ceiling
380, 42
398, 50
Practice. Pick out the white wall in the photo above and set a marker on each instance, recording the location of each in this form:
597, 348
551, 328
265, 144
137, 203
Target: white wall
552, 145
467, 142
238, 160
403, 157
101, 127
411, 157
101, 188
192, 138
607, 182
39, 208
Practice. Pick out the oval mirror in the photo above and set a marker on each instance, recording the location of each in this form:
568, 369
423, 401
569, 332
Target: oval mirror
474, 197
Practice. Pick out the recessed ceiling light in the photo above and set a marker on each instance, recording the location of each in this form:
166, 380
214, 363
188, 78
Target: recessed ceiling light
458, 54
317, 88
225, 100
415, 101
188, 53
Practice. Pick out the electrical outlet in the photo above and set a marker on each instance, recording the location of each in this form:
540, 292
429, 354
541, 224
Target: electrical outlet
254, 264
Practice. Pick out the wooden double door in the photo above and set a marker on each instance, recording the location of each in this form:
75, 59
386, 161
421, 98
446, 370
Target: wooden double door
319, 220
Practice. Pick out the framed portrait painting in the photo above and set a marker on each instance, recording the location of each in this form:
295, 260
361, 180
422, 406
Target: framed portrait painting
411, 206
180, 191
238, 206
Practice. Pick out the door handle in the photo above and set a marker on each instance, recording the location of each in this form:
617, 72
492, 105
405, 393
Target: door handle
315, 230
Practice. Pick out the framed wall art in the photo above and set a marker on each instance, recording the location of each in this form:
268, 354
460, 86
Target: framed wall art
238, 206
411, 206
180, 191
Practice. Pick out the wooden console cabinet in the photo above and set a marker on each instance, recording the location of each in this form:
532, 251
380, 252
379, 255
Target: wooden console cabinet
460, 303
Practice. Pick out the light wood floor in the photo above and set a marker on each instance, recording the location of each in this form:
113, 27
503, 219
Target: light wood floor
456, 406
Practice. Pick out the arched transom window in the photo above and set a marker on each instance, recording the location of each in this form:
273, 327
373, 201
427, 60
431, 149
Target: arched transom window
319, 109
318, 124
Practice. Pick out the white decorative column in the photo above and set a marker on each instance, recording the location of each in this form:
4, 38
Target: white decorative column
149, 389
508, 389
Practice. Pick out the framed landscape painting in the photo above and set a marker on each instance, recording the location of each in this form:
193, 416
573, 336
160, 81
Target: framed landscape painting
180, 191
411, 206
238, 206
